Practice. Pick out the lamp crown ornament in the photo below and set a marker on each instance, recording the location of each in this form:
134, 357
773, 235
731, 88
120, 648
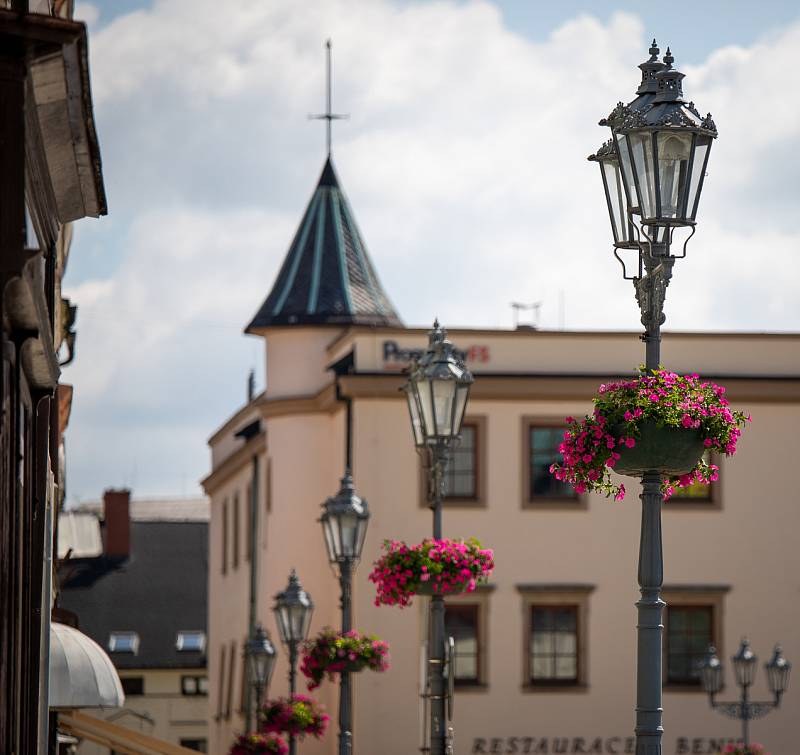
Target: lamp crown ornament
649, 69
294, 594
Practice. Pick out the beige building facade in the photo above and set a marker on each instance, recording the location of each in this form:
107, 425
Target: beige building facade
545, 651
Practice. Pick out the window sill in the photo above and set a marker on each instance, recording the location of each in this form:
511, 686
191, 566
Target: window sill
579, 503
558, 689
471, 687
677, 687
467, 503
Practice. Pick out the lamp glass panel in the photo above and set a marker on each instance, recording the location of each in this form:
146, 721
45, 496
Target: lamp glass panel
617, 206
332, 542
416, 422
422, 389
629, 185
778, 676
674, 151
745, 669
642, 157
443, 403
282, 620
299, 619
462, 394
361, 534
702, 147
348, 534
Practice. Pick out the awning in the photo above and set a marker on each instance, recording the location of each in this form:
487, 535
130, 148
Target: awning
116, 737
81, 674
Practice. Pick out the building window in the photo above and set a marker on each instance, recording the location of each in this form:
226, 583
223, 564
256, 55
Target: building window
553, 645
461, 473
123, 642
236, 526
690, 630
462, 623
132, 685
542, 442
224, 537
194, 685
231, 679
556, 631
191, 641
199, 745
221, 687
698, 493
465, 473
248, 507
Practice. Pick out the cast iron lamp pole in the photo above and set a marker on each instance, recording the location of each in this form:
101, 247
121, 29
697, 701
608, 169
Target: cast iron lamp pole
437, 391
653, 169
260, 658
293, 608
344, 524
744, 666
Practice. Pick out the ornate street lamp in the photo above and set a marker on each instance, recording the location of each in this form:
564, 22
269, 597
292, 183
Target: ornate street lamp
437, 392
744, 667
344, 522
652, 169
293, 608
260, 658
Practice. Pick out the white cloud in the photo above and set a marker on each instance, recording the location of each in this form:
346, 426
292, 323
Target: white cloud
464, 159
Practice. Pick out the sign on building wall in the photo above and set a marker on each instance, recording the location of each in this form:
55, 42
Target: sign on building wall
585, 745
395, 357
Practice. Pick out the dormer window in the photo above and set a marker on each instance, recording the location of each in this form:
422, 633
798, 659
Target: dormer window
123, 642
191, 641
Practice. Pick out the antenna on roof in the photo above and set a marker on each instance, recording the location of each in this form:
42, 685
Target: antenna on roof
535, 307
328, 115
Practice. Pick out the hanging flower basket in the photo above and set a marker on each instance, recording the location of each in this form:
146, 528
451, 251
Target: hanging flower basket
658, 422
741, 749
255, 743
332, 652
434, 567
298, 716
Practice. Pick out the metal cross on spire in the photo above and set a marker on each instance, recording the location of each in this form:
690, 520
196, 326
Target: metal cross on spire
328, 115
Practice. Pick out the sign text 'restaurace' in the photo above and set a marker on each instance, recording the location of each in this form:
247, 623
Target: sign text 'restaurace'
612, 745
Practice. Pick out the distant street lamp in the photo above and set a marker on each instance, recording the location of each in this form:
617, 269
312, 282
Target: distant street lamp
653, 169
344, 522
293, 608
744, 668
260, 657
437, 391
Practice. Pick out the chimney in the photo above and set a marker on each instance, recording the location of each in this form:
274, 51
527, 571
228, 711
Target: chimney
118, 522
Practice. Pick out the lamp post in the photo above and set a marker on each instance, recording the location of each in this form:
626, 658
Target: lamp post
344, 522
653, 169
744, 667
437, 391
293, 608
260, 658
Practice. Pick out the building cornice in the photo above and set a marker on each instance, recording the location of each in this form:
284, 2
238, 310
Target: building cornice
234, 463
566, 386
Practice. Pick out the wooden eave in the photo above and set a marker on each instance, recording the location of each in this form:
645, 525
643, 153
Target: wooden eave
59, 96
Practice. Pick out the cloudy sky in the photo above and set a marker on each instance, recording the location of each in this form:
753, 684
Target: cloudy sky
464, 160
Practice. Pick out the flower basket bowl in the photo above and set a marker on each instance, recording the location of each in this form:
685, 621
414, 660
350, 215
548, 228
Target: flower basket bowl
669, 451
332, 652
432, 588
433, 567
